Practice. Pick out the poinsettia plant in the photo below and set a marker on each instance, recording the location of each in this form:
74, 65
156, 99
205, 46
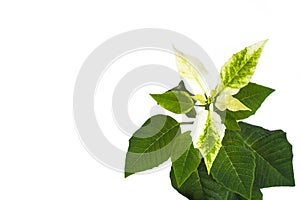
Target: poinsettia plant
221, 158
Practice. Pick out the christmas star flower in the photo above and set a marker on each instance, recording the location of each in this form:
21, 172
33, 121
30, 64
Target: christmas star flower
236, 73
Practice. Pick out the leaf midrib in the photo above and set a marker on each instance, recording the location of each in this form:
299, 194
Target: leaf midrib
231, 163
256, 153
183, 168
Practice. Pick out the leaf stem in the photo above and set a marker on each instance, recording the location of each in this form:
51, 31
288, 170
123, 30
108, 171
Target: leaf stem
201, 105
186, 123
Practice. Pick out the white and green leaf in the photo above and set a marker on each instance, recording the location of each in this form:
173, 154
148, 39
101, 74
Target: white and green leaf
238, 70
207, 136
191, 70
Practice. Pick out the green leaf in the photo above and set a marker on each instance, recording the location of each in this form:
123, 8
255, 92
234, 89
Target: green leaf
256, 195
191, 188
234, 166
230, 122
212, 190
185, 159
175, 101
201, 186
151, 144
253, 95
273, 155
238, 70
209, 137
181, 87
181, 144
191, 114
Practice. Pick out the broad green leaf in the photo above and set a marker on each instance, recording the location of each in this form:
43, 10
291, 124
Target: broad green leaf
238, 70
181, 144
234, 167
253, 95
181, 87
203, 187
191, 188
211, 189
208, 135
191, 70
175, 101
200, 186
256, 195
230, 122
226, 101
186, 162
273, 155
151, 144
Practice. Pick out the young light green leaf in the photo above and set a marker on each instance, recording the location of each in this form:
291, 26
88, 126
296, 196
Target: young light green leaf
273, 155
185, 159
175, 101
226, 101
234, 167
238, 70
181, 87
151, 144
191, 69
200, 98
208, 135
253, 95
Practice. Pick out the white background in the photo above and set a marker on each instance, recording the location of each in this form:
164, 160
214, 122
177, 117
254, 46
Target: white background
43, 45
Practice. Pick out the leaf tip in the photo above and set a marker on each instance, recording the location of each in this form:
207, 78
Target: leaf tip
262, 43
153, 96
127, 174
